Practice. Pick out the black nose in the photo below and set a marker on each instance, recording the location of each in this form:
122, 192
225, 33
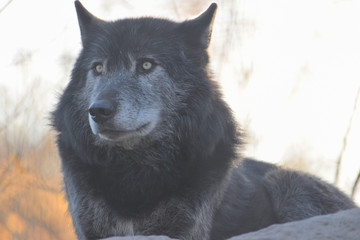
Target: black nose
101, 110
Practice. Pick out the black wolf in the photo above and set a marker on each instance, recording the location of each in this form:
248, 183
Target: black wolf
149, 147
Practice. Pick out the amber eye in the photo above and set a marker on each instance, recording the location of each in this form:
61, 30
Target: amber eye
98, 68
146, 65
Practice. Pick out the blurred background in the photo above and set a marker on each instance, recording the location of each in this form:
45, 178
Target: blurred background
289, 69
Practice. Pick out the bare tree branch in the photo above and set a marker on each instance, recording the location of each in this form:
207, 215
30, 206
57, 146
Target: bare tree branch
5, 6
356, 183
338, 163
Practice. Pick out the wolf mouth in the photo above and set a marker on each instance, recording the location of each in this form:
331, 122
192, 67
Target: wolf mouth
114, 134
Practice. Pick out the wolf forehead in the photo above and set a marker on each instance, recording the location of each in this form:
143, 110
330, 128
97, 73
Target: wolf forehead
139, 35
147, 34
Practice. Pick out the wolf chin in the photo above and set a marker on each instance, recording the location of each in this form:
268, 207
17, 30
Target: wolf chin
148, 146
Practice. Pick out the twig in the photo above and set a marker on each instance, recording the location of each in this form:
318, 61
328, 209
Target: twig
5, 6
338, 163
353, 190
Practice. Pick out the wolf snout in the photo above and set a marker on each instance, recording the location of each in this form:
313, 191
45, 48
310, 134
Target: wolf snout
101, 110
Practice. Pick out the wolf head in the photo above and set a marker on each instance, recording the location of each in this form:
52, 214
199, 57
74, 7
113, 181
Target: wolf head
137, 74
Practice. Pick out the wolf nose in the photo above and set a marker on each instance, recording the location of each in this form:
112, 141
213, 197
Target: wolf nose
101, 110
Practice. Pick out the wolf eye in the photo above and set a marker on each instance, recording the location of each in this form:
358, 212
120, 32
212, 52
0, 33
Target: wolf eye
146, 65
98, 68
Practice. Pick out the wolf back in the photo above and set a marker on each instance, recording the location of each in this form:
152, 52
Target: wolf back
148, 146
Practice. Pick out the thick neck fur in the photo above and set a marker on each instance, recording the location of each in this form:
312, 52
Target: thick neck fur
141, 177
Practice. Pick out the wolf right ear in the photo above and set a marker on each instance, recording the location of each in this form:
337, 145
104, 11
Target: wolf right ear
86, 20
197, 32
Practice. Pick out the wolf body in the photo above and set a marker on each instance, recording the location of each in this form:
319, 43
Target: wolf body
149, 147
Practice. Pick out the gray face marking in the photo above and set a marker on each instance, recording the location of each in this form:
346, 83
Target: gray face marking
138, 100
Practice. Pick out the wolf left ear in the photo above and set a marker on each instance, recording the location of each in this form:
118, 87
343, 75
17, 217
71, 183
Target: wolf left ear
86, 20
197, 32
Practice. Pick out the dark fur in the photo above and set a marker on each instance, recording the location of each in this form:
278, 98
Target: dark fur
181, 179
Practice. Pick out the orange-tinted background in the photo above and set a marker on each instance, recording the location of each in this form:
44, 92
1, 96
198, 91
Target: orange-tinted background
289, 69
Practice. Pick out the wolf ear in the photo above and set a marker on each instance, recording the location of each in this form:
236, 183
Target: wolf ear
86, 20
197, 32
